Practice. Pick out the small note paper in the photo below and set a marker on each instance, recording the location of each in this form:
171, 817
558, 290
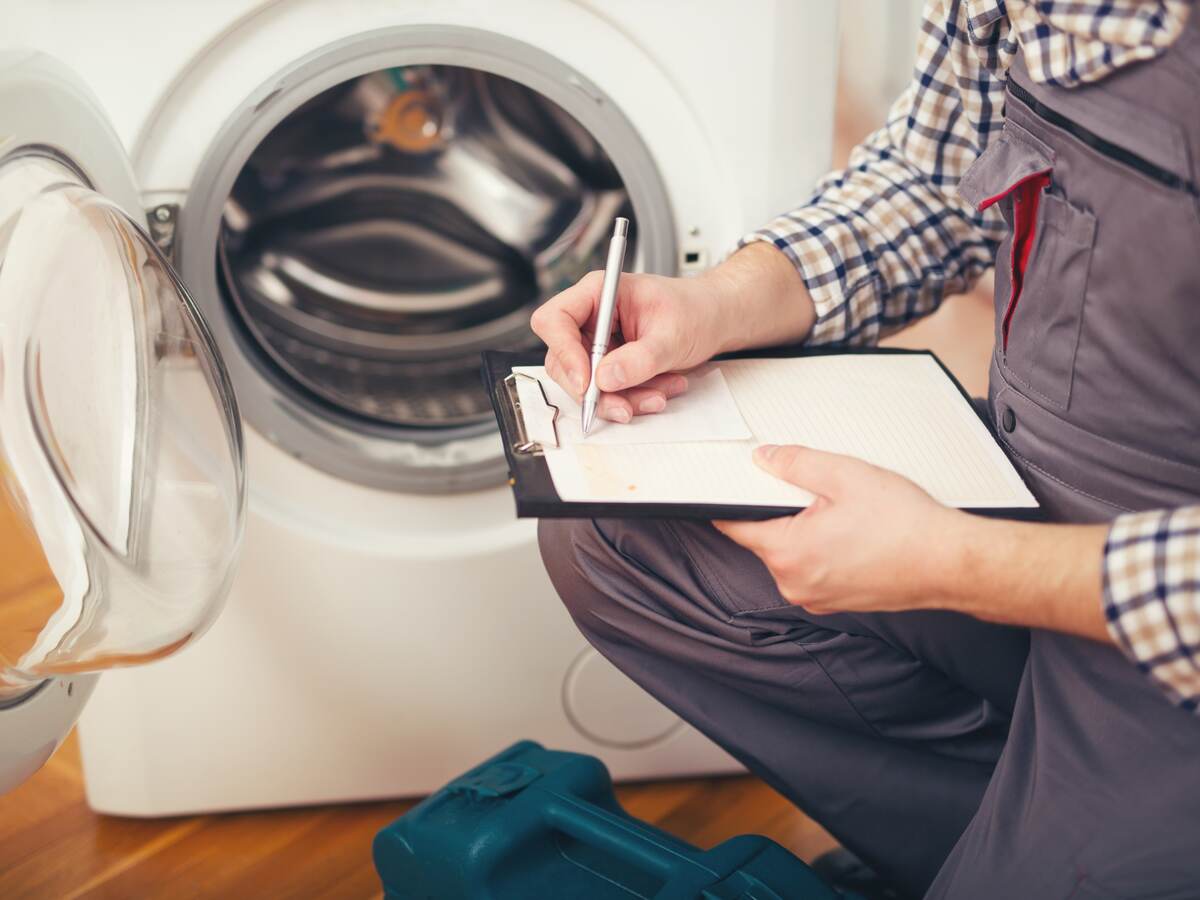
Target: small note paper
705, 412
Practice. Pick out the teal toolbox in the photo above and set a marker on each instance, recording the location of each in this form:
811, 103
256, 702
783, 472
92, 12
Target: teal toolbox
532, 823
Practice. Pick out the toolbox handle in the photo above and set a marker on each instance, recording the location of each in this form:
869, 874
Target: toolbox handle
653, 852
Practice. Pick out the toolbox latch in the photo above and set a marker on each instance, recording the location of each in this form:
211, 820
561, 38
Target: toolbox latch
500, 780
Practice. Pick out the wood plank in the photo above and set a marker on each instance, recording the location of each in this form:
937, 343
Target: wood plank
29, 593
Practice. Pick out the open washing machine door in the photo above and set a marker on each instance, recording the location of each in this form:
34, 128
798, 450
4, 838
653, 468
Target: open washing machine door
121, 468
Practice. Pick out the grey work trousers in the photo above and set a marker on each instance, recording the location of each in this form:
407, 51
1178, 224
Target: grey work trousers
886, 728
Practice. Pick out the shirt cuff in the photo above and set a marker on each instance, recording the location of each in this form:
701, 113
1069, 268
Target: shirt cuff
845, 294
1152, 597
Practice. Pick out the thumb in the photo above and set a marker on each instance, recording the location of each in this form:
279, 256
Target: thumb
632, 364
825, 474
755, 536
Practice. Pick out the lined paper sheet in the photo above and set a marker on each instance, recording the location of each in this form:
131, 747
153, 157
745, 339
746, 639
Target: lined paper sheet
901, 412
706, 412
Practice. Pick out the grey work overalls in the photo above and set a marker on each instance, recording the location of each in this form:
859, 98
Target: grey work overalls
1095, 392
942, 749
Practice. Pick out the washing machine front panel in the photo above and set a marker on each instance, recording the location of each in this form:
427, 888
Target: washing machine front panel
48, 109
406, 674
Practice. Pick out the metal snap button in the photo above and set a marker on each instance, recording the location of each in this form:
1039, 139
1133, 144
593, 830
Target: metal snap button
1009, 419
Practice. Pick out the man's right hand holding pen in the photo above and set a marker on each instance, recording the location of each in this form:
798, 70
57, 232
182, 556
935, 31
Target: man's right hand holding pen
663, 327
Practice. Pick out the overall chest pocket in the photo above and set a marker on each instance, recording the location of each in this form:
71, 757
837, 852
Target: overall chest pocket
1045, 316
1041, 267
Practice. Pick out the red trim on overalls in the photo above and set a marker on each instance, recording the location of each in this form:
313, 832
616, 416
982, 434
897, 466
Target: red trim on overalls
1026, 194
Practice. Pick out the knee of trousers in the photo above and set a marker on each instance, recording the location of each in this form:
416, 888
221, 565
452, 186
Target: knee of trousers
574, 552
629, 579
608, 570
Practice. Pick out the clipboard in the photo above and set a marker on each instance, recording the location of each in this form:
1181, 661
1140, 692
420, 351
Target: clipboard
533, 486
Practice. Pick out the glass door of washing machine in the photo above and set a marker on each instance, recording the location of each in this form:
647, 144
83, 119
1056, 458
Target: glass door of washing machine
121, 477
388, 227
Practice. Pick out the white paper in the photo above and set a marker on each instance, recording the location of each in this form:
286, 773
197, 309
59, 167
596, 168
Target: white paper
900, 412
705, 412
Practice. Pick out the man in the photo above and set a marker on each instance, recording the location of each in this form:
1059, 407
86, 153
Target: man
976, 708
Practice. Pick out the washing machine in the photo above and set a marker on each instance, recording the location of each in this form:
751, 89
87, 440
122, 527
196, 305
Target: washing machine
361, 196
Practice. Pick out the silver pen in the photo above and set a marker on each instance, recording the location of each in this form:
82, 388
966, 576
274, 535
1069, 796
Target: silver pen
604, 316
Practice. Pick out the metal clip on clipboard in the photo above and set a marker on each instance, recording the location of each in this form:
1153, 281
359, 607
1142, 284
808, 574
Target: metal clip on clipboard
532, 427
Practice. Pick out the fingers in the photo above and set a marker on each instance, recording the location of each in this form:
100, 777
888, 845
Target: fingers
615, 408
642, 400
652, 396
670, 383
651, 328
824, 474
559, 323
633, 377
633, 363
645, 400
566, 368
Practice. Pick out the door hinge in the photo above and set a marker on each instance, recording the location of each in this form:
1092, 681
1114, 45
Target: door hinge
162, 220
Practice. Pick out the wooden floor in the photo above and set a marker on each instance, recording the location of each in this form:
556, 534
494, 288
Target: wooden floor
53, 846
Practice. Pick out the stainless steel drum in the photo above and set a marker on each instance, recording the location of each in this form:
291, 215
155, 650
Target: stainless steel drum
371, 219
395, 225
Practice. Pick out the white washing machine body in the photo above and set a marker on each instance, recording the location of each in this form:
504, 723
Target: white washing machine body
378, 641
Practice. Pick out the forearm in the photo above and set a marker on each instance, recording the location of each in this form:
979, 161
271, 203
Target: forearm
1016, 573
761, 299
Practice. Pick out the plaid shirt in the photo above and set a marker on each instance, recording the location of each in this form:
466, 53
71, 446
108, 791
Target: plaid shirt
883, 241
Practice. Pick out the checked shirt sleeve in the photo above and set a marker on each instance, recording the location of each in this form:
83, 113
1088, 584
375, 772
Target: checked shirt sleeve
1152, 597
882, 242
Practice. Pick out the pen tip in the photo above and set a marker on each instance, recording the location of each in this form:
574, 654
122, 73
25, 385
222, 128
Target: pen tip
588, 416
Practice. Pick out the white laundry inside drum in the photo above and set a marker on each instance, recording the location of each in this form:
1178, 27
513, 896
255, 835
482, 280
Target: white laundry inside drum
395, 225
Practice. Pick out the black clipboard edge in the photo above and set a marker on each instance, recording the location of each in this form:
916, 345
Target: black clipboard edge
536, 497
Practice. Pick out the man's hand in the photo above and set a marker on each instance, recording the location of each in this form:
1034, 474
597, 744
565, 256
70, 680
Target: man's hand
862, 545
874, 541
660, 326
665, 326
